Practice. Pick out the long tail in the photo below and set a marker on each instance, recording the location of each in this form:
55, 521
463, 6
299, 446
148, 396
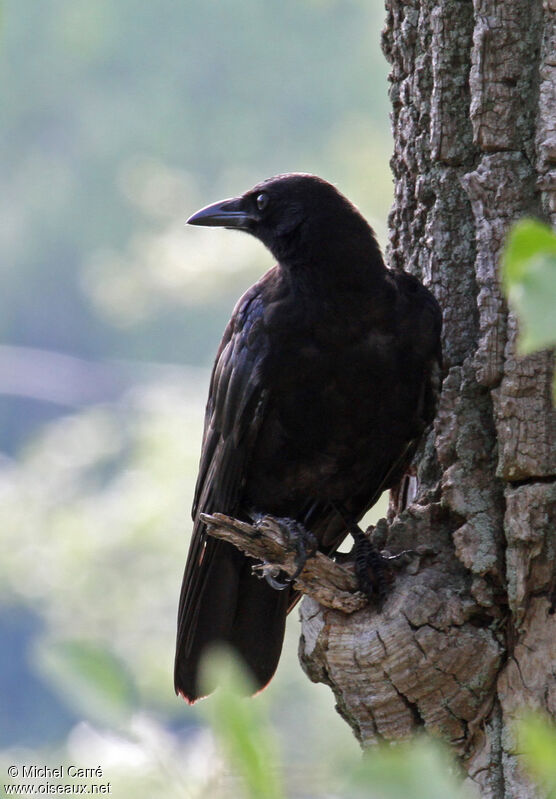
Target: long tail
222, 602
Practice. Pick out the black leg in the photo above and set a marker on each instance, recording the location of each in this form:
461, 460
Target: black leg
370, 568
305, 545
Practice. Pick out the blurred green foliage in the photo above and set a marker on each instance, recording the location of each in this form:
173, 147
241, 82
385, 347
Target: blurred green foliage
96, 516
529, 279
91, 678
241, 727
420, 769
119, 119
537, 742
528, 270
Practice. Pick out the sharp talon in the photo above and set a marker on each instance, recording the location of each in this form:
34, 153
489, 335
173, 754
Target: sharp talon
301, 561
401, 559
267, 571
405, 553
304, 543
276, 584
297, 537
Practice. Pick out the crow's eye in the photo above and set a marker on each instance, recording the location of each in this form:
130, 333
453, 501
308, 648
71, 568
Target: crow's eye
262, 201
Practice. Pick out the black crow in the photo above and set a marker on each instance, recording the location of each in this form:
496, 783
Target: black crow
325, 379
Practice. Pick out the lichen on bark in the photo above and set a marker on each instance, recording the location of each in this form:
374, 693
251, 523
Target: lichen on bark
467, 640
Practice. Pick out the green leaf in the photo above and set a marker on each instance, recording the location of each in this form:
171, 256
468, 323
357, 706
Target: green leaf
420, 769
529, 280
241, 727
537, 741
92, 678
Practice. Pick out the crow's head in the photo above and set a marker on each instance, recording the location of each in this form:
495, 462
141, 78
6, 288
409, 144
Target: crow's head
295, 215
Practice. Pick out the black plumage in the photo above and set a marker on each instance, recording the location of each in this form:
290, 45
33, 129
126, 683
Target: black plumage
325, 379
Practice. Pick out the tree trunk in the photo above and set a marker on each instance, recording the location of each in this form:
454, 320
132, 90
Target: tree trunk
469, 639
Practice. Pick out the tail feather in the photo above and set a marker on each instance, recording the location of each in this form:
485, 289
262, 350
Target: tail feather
227, 604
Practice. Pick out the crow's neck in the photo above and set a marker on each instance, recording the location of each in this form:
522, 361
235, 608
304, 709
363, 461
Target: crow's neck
336, 265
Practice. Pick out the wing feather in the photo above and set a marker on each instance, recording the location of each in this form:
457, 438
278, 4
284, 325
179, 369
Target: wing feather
235, 410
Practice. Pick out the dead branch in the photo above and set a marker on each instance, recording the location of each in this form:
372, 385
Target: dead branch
327, 582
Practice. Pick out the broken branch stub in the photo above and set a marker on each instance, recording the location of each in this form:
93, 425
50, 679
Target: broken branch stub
330, 584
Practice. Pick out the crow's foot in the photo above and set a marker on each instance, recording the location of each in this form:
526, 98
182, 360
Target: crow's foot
302, 542
375, 570
371, 569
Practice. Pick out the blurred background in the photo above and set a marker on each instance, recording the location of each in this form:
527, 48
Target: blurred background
118, 121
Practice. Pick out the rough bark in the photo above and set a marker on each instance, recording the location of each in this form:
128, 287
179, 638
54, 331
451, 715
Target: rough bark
327, 582
460, 646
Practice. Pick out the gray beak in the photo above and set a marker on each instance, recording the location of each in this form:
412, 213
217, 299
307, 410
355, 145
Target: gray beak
227, 213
